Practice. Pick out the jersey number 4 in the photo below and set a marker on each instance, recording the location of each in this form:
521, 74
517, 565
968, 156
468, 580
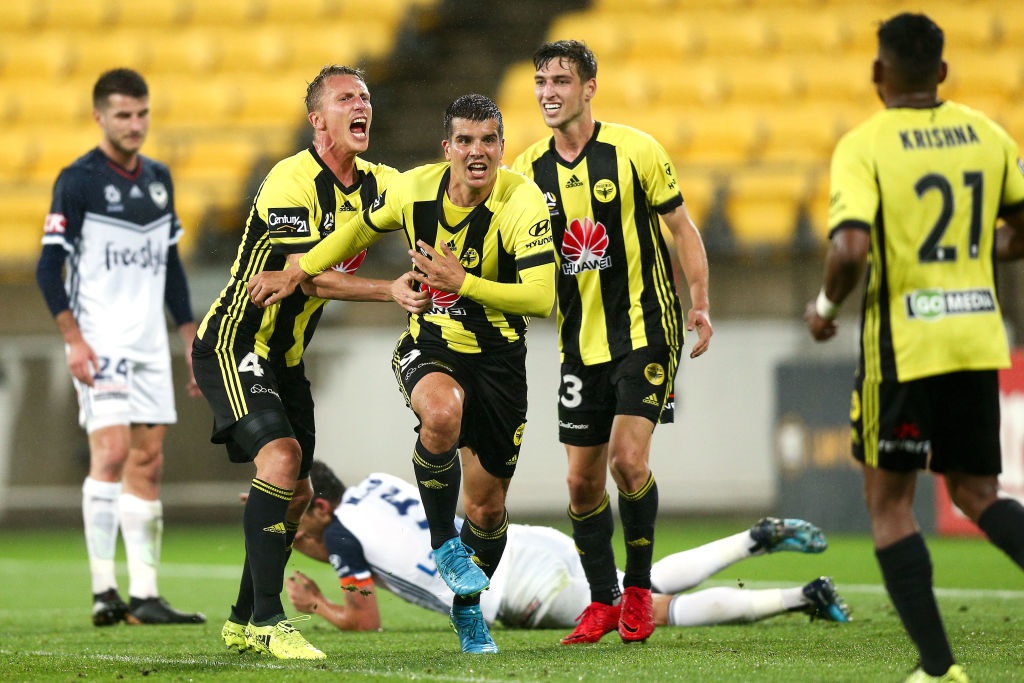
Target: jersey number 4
932, 251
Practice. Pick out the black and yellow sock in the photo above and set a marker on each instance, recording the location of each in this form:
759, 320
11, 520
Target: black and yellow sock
907, 570
592, 532
241, 611
1003, 523
488, 546
439, 477
638, 511
265, 534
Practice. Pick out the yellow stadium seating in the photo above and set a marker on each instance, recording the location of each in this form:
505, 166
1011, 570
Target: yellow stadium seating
762, 206
79, 15
722, 138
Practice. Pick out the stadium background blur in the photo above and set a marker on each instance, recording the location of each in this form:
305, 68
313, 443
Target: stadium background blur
748, 97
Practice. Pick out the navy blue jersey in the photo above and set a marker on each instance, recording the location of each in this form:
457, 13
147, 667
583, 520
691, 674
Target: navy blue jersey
116, 227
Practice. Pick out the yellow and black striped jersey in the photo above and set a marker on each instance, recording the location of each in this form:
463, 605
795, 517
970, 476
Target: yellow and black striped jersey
929, 185
616, 291
298, 204
504, 244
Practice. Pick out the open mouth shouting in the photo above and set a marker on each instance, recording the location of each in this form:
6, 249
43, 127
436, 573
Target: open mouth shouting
359, 128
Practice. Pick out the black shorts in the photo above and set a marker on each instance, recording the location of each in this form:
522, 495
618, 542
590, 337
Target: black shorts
255, 402
494, 411
943, 423
590, 396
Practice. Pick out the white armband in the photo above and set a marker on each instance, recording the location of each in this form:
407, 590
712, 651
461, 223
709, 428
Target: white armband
825, 308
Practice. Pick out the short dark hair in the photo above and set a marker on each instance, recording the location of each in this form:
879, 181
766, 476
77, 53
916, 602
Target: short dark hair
325, 483
472, 107
315, 89
915, 42
118, 82
575, 52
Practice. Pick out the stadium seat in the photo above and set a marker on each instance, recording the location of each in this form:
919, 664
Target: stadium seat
805, 134
726, 33
818, 204
220, 13
721, 137
756, 82
27, 102
190, 51
21, 222
113, 48
78, 15
166, 14
762, 206
698, 83
45, 55
698, 191
805, 32
604, 37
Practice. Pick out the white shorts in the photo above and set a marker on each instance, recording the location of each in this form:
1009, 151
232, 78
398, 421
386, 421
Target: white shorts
127, 392
540, 579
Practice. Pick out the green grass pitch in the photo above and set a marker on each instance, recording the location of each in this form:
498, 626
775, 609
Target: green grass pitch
46, 634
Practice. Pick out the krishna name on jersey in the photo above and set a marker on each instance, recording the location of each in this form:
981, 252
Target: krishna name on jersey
616, 291
929, 185
498, 241
116, 227
299, 203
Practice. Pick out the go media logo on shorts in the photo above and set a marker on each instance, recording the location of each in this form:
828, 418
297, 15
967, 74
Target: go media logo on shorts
935, 304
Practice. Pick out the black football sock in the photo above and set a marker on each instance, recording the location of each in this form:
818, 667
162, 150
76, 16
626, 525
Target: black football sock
592, 531
488, 546
438, 476
241, 611
638, 511
290, 529
907, 569
265, 546
1003, 523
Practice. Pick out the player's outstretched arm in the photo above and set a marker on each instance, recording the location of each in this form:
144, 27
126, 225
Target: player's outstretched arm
844, 264
359, 612
693, 259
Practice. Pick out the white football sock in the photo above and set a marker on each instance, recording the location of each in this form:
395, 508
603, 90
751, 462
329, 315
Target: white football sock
99, 515
142, 524
726, 605
682, 571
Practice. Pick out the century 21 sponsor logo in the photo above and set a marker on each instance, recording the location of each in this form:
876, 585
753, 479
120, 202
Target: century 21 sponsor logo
935, 304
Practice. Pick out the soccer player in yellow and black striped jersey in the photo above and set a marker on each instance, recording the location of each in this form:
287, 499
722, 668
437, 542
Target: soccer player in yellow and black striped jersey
620, 323
481, 245
917, 193
248, 360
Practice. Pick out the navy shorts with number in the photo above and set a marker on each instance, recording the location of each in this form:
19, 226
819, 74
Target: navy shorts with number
943, 423
494, 409
590, 396
255, 402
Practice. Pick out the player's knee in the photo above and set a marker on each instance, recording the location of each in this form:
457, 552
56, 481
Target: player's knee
972, 495
440, 421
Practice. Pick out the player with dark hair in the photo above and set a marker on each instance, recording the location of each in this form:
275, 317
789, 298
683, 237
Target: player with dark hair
481, 246
620, 324
109, 266
917, 193
374, 536
249, 360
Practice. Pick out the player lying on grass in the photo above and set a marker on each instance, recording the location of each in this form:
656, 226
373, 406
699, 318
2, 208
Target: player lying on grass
374, 534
